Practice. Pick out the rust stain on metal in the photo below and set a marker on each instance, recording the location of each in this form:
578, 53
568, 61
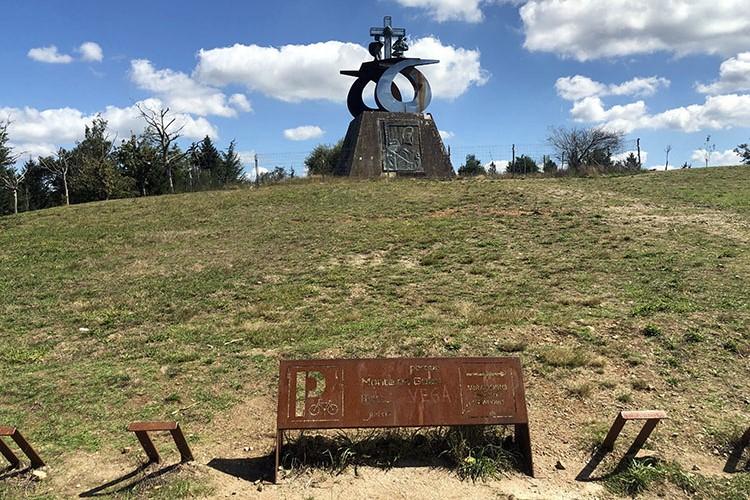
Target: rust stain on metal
141, 430
24, 445
652, 418
403, 392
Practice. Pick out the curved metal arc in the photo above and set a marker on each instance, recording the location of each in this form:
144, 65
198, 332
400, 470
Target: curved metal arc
422, 91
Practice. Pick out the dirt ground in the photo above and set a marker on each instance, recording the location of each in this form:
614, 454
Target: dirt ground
232, 459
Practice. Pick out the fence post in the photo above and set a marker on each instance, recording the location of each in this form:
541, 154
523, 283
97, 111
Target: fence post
638, 145
257, 178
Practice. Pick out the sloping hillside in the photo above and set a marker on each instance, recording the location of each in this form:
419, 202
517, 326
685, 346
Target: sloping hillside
629, 292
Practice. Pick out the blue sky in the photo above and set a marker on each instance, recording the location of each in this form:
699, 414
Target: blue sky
510, 70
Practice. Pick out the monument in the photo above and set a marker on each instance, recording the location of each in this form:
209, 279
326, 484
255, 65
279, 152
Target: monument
397, 137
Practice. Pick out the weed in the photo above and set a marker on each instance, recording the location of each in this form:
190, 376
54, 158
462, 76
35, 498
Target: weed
608, 384
726, 435
580, 390
651, 330
593, 436
511, 345
694, 337
640, 475
568, 357
640, 384
473, 452
731, 346
625, 397
633, 359
173, 398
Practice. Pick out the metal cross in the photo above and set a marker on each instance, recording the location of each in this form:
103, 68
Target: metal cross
388, 33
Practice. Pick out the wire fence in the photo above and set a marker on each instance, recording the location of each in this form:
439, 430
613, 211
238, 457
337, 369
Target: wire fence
502, 155
499, 154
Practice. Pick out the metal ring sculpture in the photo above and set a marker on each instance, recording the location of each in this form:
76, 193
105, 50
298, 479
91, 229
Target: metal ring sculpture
387, 95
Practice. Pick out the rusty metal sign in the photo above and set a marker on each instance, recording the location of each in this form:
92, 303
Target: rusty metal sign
402, 392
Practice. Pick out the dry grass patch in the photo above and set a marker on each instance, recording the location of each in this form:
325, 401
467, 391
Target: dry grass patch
569, 357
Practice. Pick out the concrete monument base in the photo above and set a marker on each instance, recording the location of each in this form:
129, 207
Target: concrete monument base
380, 143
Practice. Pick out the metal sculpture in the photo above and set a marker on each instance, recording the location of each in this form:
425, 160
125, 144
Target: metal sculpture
383, 71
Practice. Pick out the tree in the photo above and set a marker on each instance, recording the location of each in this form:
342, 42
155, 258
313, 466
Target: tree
549, 166
36, 186
323, 159
492, 169
743, 150
10, 177
208, 162
708, 150
522, 165
60, 168
471, 167
96, 176
629, 164
579, 147
278, 174
138, 159
163, 130
230, 171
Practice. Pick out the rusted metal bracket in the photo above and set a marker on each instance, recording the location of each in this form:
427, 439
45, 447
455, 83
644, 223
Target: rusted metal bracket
652, 417
24, 445
141, 430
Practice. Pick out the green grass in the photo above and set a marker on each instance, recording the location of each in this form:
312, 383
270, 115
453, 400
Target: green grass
663, 479
476, 453
182, 305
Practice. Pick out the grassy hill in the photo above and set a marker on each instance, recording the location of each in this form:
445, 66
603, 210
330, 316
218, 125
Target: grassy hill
615, 292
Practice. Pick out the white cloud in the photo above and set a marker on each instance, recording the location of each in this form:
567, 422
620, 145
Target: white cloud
454, 10
717, 112
91, 52
183, 94
457, 71
590, 29
49, 55
46, 130
445, 134
449, 10
734, 76
500, 165
292, 73
247, 158
304, 133
574, 88
33, 150
591, 109
295, 73
240, 102
717, 158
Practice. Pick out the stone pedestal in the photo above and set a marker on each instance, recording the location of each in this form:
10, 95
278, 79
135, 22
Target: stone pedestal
380, 143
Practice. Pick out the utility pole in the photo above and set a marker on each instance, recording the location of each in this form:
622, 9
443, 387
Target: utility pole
638, 145
667, 150
513, 155
257, 177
